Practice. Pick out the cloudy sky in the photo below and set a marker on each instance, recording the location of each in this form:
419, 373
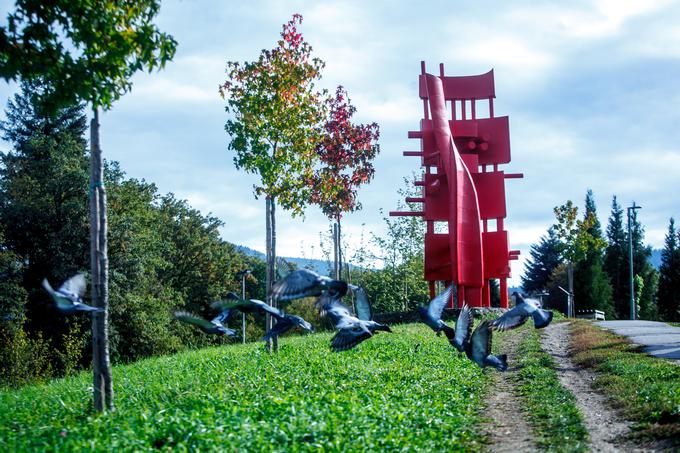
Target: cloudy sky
592, 89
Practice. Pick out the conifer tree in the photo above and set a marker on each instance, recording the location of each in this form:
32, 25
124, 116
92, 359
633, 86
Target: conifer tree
544, 258
592, 289
668, 295
616, 260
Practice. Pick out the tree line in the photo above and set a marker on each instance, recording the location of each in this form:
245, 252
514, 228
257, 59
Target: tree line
163, 254
601, 269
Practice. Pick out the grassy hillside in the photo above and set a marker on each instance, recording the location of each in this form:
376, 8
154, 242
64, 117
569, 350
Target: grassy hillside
404, 390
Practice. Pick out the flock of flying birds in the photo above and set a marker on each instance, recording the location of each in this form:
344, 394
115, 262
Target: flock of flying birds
352, 328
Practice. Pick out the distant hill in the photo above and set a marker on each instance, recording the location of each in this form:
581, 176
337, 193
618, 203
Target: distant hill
319, 266
655, 259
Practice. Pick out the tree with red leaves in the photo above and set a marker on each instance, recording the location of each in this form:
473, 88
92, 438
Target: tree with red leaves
274, 117
346, 152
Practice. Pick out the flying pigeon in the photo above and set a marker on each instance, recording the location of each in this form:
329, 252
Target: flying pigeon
519, 314
352, 330
305, 283
284, 322
216, 326
69, 297
479, 349
432, 315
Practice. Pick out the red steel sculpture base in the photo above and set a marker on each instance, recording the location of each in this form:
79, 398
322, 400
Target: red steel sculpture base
462, 186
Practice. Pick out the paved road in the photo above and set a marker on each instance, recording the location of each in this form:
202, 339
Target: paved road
659, 339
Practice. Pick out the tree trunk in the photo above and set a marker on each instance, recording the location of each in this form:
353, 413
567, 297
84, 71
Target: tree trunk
336, 268
339, 250
268, 280
272, 270
273, 344
103, 382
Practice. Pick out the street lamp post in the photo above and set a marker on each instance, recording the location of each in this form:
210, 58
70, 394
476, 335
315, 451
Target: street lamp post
570, 302
243, 274
630, 262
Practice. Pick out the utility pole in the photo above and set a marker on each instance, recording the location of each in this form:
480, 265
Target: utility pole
630, 262
243, 274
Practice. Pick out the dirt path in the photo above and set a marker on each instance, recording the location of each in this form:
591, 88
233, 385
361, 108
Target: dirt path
508, 433
607, 429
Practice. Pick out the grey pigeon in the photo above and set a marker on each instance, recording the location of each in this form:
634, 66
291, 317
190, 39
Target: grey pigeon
479, 349
352, 330
519, 314
216, 326
432, 315
69, 297
305, 283
284, 322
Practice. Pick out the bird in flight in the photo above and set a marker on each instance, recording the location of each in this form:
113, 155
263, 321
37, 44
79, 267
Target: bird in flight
352, 330
284, 321
69, 297
518, 315
215, 326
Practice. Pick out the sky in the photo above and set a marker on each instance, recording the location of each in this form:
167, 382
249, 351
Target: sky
592, 89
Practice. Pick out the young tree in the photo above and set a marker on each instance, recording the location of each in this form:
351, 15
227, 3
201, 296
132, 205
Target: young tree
345, 152
86, 50
275, 112
669, 279
575, 241
544, 258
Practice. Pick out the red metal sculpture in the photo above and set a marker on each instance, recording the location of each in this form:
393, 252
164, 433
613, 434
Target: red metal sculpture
463, 187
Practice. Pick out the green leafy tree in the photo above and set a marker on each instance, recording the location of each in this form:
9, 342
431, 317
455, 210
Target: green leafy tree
398, 285
544, 258
669, 276
86, 51
274, 116
345, 152
592, 289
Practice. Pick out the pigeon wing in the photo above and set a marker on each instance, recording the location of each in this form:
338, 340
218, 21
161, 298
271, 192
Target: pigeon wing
348, 338
283, 268
282, 326
481, 343
334, 309
510, 319
74, 285
193, 319
296, 285
362, 305
436, 306
463, 328
62, 303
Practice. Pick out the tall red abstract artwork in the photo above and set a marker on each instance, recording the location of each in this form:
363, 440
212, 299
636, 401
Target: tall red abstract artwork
463, 191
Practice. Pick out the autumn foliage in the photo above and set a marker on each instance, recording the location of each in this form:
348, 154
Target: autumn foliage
345, 152
274, 115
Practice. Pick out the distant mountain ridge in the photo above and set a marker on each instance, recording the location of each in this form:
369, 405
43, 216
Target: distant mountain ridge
321, 267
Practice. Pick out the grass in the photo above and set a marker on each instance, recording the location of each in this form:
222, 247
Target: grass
401, 391
646, 388
551, 409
